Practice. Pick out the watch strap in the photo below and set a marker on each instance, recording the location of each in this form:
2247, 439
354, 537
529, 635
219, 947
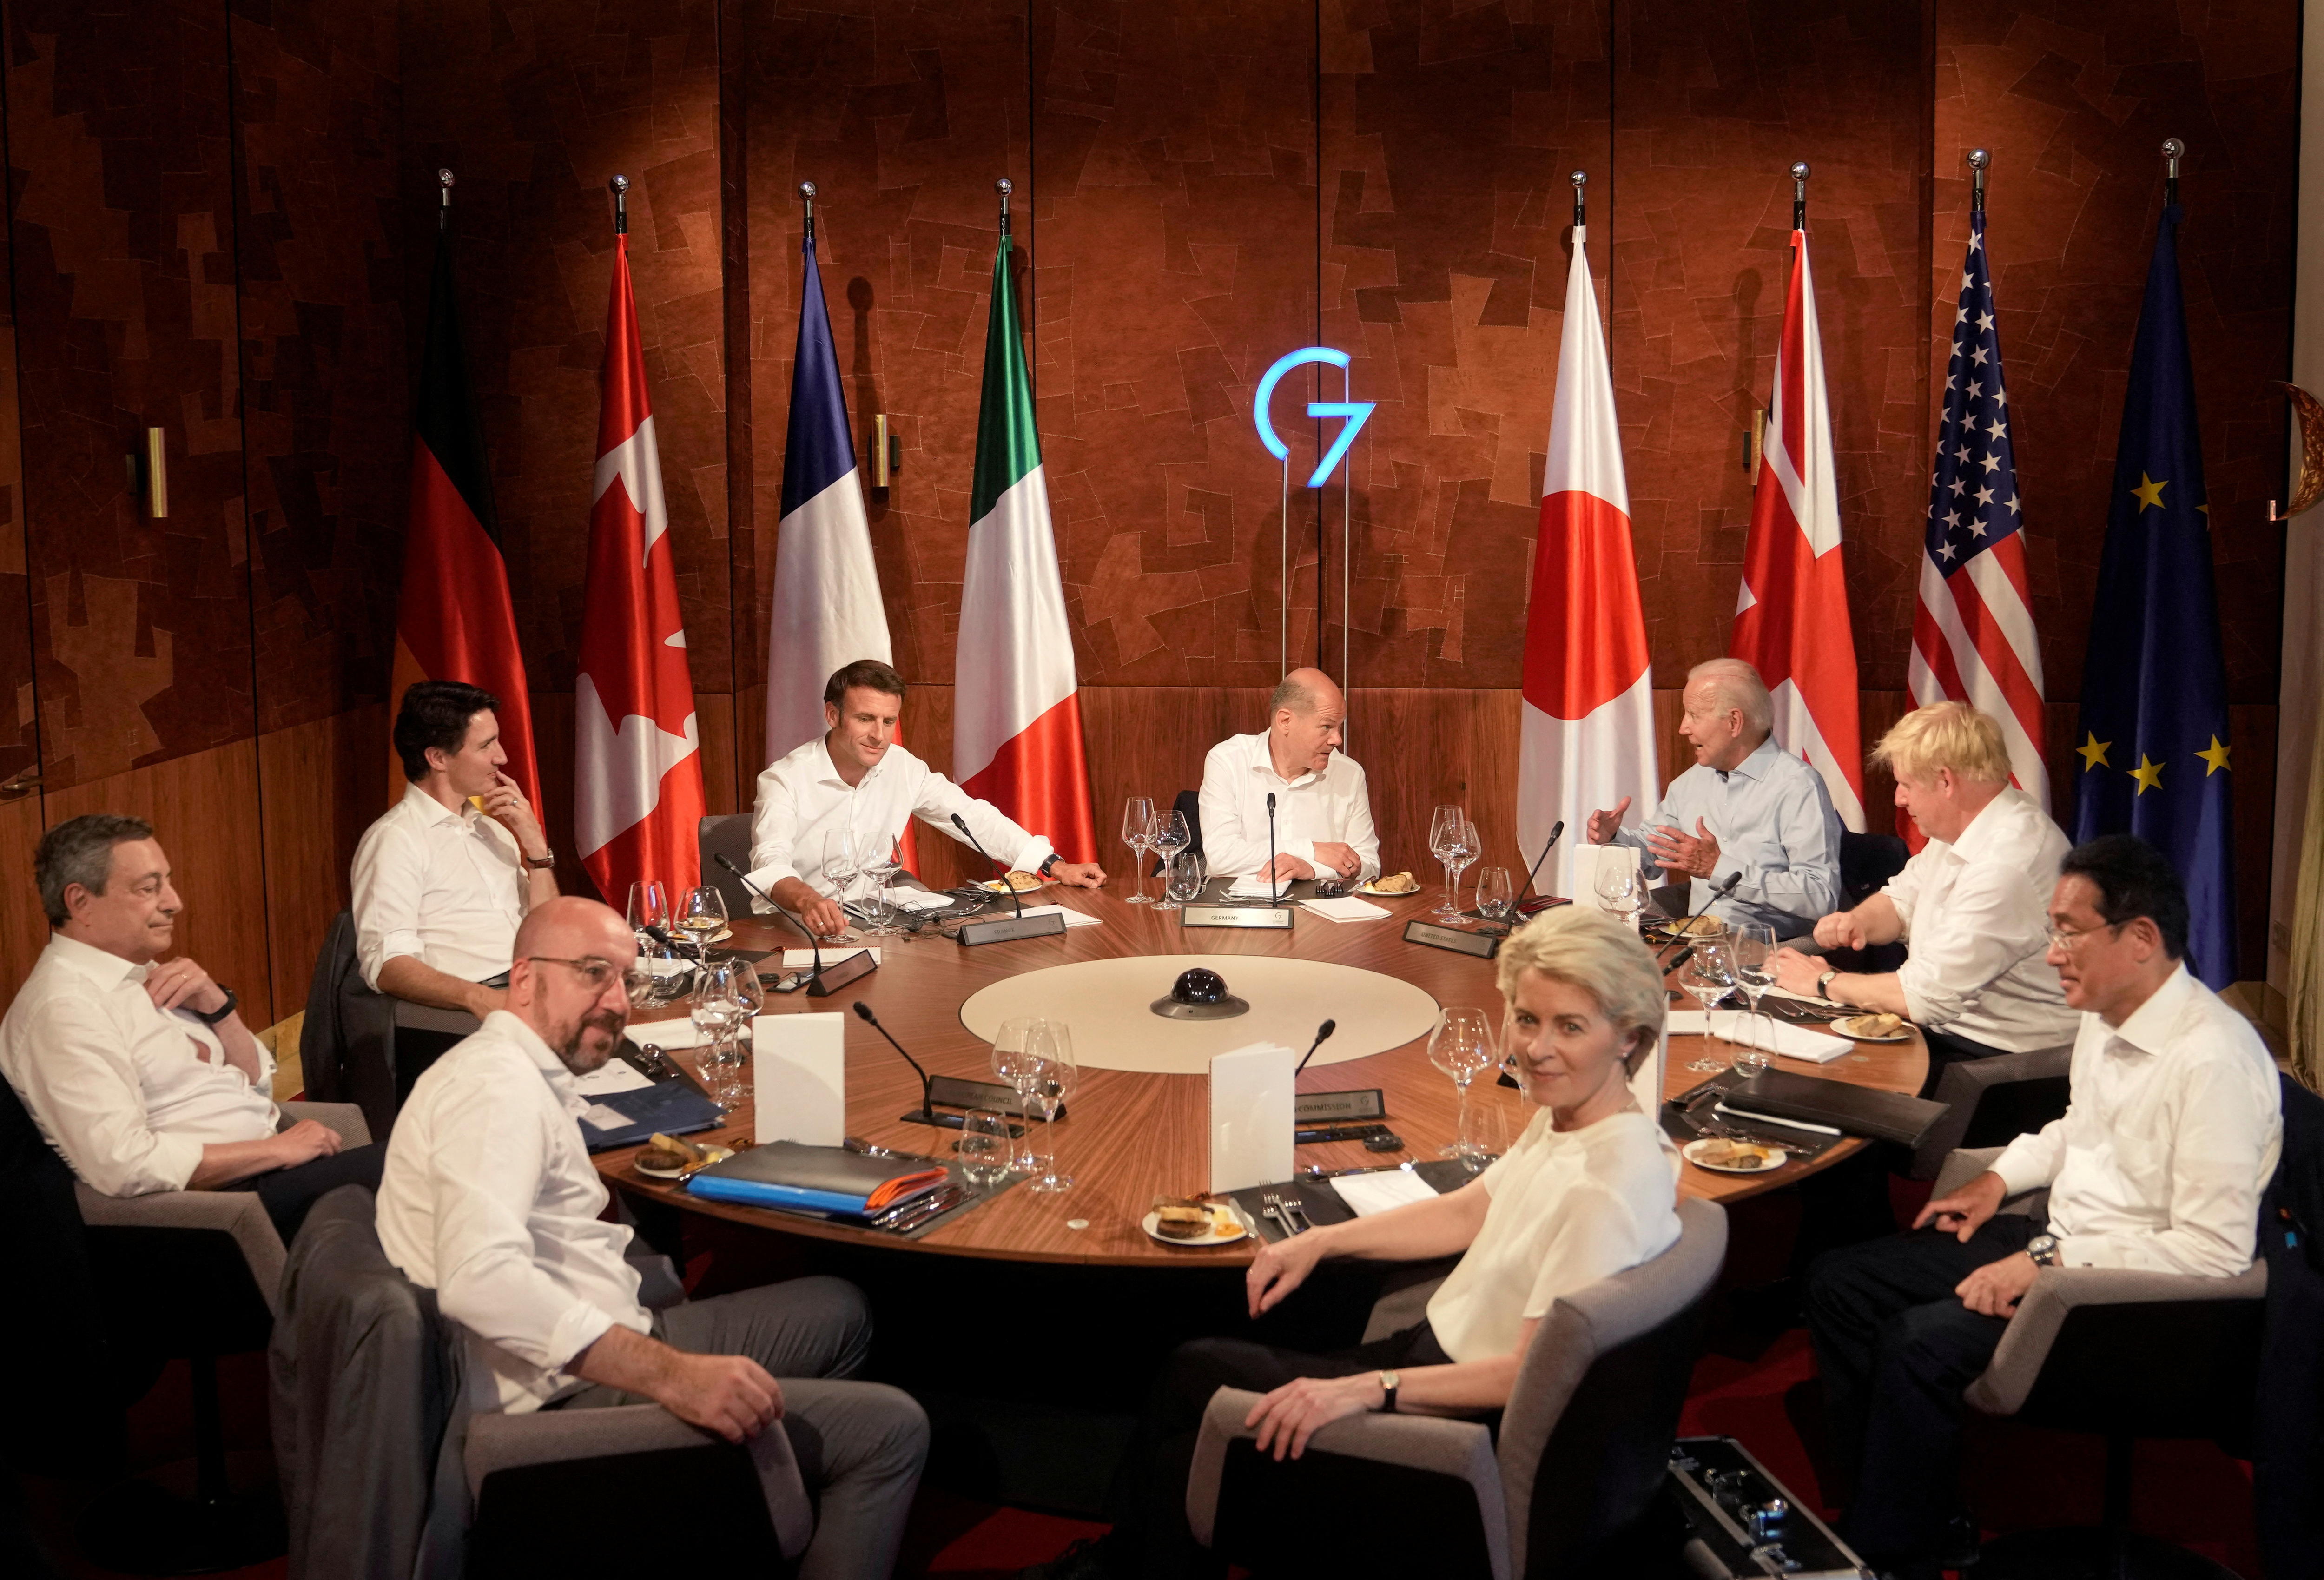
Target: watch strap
1823, 984
1389, 1382
1046, 863
213, 1017
547, 860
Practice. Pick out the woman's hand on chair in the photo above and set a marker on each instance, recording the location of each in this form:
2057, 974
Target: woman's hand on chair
1288, 1417
1281, 1268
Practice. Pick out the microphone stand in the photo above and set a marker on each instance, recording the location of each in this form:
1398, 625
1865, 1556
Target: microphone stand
1273, 896
823, 982
1543, 900
970, 1093
1685, 929
1322, 1032
1002, 930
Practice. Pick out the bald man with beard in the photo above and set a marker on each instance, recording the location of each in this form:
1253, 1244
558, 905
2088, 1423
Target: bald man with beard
489, 1198
1323, 825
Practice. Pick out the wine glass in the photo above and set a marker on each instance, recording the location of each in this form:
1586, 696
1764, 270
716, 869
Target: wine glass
1752, 945
648, 907
1444, 839
843, 863
1170, 837
1496, 896
1136, 826
1014, 1064
1466, 846
717, 1010
1708, 976
1055, 1077
1463, 1047
1620, 887
985, 1148
1188, 874
654, 975
702, 915
882, 859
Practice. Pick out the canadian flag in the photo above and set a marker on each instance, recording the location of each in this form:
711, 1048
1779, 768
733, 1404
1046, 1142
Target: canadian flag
637, 798
1791, 615
1587, 712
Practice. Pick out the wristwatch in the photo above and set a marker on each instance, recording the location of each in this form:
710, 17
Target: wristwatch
2043, 1249
221, 1012
1389, 1382
1049, 861
1823, 984
542, 862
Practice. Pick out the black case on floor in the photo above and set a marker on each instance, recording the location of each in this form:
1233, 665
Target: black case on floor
1740, 1523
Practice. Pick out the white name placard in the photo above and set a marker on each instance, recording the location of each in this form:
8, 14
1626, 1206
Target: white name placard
798, 1078
1251, 1092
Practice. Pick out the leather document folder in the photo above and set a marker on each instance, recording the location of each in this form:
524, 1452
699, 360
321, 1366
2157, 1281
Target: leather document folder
1860, 1111
831, 1180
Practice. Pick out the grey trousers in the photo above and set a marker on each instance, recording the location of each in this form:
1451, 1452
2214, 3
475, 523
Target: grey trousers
859, 1446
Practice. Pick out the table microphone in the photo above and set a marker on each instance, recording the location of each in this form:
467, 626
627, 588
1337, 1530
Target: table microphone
967, 1093
1001, 930
1680, 933
1555, 834
1273, 896
821, 984
1322, 1032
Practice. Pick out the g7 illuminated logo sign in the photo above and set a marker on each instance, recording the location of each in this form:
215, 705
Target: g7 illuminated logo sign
1355, 412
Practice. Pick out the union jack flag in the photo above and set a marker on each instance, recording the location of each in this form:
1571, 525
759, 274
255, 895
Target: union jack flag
1973, 637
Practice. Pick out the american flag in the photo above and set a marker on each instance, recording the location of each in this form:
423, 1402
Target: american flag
1973, 637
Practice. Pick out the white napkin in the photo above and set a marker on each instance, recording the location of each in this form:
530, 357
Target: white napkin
615, 1075
1348, 910
1073, 918
1251, 886
1687, 1023
1790, 1040
679, 1032
1367, 1194
801, 959
916, 899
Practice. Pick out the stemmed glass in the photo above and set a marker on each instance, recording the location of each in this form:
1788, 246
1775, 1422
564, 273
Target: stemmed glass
1188, 873
1466, 846
1709, 975
1445, 839
717, 1011
1753, 944
752, 998
656, 975
1495, 896
702, 915
648, 907
1621, 887
882, 859
1170, 835
1055, 1077
1463, 1047
1014, 1064
843, 865
1137, 829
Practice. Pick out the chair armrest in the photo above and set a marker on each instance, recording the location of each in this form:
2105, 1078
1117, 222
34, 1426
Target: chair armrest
1964, 1086
2008, 1379
345, 1118
498, 1441
236, 1212
659, 1285
1438, 1443
1966, 1163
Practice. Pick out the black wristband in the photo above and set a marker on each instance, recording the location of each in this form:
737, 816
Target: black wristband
221, 1012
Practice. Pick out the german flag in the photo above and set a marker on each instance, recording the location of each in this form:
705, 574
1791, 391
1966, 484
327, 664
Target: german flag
455, 621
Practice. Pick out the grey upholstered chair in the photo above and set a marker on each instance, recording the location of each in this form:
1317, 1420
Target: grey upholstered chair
1993, 1100
1583, 1444
2124, 1354
726, 834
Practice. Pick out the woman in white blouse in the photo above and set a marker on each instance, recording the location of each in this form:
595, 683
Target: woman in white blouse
1589, 1190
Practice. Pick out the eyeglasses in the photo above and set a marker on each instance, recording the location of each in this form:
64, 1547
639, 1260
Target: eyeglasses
2061, 939
591, 970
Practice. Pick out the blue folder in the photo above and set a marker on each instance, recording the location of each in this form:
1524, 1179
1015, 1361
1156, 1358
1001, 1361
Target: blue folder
673, 1108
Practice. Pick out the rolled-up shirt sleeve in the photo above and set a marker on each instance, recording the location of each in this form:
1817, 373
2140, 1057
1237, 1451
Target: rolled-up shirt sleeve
483, 1171
84, 1091
774, 835
390, 879
939, 799
1990, 923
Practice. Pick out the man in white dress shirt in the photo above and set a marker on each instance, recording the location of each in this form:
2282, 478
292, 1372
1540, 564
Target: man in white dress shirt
443, 876
1748, 810
1970, 905
2158, 1165
138, 1070
490, 1200
1322, 824
857, 779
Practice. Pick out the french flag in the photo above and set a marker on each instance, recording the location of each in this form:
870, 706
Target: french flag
1588, 710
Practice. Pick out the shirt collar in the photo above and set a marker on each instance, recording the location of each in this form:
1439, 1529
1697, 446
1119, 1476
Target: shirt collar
512, 1026
1263, 761
431, 811
831, 775
1985, 825
1754, 765
102, 967
2150, 1025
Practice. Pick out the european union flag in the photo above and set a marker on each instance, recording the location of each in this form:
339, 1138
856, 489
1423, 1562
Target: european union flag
2153, 732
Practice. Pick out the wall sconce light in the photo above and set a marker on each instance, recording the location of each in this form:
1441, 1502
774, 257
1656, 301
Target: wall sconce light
887, 451
149, 475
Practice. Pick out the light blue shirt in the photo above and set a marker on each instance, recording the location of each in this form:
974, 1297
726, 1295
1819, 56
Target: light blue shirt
1773, 821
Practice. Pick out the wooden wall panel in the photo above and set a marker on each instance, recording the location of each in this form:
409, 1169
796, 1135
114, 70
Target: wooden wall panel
321, 784
319, 235
23, 928
20, 735
124, 288
204, 808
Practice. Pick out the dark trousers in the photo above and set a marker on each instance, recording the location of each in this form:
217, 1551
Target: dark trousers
1945, 1048
286, 1194
1895, 1348
1147, 1503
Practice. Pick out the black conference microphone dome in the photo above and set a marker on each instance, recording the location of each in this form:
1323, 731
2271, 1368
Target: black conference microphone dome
1200, 994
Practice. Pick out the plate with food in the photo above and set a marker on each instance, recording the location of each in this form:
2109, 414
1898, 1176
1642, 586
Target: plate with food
1391, 885
1880, 1027
1194, 1223
1023, 881
1721, 1155
675, 1158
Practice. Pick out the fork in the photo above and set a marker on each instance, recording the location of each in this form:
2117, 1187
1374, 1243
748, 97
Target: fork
1272, 1206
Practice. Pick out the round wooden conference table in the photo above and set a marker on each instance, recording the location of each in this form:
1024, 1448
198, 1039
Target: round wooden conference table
1128, 1137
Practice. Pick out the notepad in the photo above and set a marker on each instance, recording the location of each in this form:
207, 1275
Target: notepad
1073, 918
1347, 910
1765, 1032
1367, 1194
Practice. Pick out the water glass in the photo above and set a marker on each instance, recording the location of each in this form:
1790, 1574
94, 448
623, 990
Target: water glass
843, 863
1463, 1046
1753, 946
657, 975
1137, 829
648, 907
1014, 1063
1169, 836
985, 1148
702, 915
1484, 1133
1620, 887
1188, 874
882, 859
1496, 896
1055, 1077
1444, 840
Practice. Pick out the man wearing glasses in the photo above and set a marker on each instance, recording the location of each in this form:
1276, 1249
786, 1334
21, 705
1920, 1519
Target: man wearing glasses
489, 1198
2172, 1133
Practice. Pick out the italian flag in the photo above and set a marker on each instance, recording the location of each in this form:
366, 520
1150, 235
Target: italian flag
1017, 724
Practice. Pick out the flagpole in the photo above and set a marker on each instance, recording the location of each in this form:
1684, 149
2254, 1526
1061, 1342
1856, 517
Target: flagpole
1979, 159
1799, 194
620, 186
2172, 151
444, 204
807, 196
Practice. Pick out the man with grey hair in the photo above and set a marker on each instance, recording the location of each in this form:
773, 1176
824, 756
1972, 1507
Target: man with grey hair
137, 1068
1322, 822
1756, 813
